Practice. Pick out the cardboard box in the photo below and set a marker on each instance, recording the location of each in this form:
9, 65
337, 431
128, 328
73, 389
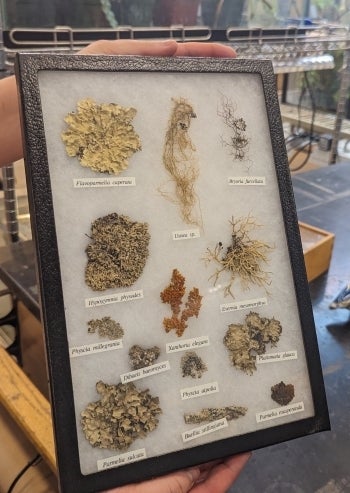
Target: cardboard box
317, 248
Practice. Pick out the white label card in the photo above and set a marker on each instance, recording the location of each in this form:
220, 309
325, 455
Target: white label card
147, 371
246, 180
196, 343
96, 347
199, 390
127, 181
276, 357
122, 459
279, 412
188, 234
113, 298
243, 305
204, 430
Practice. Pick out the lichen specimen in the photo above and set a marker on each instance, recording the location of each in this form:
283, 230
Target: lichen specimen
213, 413
141, 357
173, 295
245, 341
101, 136
117, 253
180, 161
243, 258
192, 365
238, 141
122, 415
106, 327
282, 394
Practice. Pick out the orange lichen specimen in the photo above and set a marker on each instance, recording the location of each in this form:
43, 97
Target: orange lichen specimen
173, 295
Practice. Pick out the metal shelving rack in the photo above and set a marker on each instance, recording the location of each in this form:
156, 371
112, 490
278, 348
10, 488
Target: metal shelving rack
291, 49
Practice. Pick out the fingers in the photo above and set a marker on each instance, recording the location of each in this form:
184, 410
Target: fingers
221, 477
157, 48
131, 47
177, 482
200, 49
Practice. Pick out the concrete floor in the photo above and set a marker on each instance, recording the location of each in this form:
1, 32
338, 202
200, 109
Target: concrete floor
318, 463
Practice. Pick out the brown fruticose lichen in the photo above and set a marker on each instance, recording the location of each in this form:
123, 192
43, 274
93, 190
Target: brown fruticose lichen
141, 357
122, 415
282, 393
238, 142
106, 327
118, 252
245, 341
213, 413
179, 160
173, 295
101, 136
192, 365
242, 259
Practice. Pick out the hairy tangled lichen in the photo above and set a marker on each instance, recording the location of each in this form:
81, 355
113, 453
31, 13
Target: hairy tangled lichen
213, 413
180, 161
282, 393
141, 357
117, 253
243, 259
106, 327
238, 141
245, 341
101, 136
173, 295
122, 415
192, 365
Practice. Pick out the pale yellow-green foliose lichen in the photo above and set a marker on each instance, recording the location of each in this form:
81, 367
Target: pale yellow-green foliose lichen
101, 136
245, 341
122, 415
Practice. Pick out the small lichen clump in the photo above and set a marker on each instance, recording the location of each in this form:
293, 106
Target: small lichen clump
122, 415
214, 413
245, 341
106, 327
141, 357
282, 394
243, 258
173, 295
192, 365
101, 136
118, 252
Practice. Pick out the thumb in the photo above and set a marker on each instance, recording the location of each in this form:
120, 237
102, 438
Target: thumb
177, 482
130, 47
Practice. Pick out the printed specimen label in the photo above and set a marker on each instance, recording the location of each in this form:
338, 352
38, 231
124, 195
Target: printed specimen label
114, 298
126, 181
247, 180
195, 343
199, 390
97, 347
188, 234
242, 305
204, 430
147, 371
272, 357
122, 459
279, 412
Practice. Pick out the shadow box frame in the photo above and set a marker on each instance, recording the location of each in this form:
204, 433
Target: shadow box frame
42, 78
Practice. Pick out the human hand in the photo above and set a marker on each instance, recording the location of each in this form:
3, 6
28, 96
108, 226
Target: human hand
158, 48
213, 477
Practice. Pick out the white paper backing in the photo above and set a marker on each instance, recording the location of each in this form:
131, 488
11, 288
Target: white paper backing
75, 210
